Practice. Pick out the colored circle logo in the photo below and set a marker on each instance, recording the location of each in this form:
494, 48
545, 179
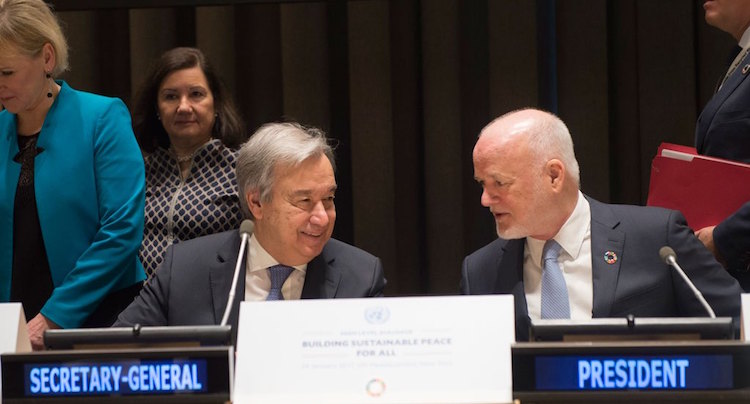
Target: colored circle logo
375, 387
610, 257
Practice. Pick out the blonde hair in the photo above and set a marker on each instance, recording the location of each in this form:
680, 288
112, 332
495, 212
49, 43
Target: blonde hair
29, 24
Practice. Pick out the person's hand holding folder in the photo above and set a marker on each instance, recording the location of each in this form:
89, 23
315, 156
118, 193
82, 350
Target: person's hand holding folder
706, 190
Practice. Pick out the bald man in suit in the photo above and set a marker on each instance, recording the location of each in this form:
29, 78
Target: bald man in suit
606, 261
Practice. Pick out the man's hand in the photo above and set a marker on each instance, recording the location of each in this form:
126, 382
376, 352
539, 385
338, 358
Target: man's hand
706, 236
36, 328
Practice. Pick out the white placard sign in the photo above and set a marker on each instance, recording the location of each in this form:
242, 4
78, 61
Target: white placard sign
745, 321
13, 337
451, 349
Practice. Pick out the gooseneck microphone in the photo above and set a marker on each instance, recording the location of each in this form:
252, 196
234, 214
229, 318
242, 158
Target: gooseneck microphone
668, 255
246, 230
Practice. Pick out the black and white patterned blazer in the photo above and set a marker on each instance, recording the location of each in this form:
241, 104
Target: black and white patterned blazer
176, 210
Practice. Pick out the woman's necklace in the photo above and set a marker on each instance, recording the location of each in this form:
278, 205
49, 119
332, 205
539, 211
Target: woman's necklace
181, 158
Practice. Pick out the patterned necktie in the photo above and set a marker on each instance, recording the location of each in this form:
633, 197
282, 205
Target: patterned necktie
555, 302
278, 273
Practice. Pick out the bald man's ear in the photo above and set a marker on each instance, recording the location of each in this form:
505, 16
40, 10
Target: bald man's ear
555, 171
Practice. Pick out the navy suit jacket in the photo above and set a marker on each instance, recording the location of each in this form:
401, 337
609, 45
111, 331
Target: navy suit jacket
723, 130
191, 286
638, 283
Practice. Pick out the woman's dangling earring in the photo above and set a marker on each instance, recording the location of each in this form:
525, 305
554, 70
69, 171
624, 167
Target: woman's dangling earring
49, 93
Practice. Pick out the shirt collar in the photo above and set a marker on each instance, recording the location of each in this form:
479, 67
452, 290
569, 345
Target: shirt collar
571, 234
745, 39
259, 259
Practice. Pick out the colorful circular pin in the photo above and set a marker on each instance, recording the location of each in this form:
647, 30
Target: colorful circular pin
610, 257
746, 69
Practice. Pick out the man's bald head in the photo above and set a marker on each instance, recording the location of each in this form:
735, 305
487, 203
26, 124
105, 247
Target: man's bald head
545, 135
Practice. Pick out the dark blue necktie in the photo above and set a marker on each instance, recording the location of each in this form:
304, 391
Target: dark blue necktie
278, 274
555, 302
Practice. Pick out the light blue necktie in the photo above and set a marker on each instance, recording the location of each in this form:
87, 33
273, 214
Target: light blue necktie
555, 302
278, 273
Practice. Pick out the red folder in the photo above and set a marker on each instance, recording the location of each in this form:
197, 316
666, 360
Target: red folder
705, 189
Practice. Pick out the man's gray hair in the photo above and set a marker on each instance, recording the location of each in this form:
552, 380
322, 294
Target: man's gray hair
550, 138
273, 146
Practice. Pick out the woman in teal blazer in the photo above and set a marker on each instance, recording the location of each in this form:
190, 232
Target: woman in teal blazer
71, 185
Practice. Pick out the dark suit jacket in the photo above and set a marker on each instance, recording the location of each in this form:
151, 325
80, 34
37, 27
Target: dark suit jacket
191, 286
723, 130
639, 283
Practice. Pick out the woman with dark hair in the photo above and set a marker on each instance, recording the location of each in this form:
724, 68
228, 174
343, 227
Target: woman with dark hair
188, 129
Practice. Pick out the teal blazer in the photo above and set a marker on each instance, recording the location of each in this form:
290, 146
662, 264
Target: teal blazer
89, 183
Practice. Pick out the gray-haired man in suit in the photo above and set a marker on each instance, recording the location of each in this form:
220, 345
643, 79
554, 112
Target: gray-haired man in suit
286, 181
608, 254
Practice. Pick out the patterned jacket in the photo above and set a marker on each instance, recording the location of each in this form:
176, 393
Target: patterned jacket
176, 210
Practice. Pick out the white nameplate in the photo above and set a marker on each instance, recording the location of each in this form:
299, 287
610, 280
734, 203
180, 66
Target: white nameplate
451, 349
745, 321
13, 337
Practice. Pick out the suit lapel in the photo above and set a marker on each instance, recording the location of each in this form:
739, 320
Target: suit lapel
322, 278
220, 278
715, 103
605, 240
509, 276
512, 257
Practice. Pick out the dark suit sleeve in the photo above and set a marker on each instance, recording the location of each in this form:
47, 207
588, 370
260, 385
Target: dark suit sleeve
378, 280
150, 308
464, 284
721, 290
484, 273
732, 239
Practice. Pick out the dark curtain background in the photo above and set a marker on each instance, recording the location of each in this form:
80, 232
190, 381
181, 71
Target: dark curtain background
406, 85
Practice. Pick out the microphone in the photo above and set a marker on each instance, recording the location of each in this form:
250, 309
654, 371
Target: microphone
246, 230
668, 255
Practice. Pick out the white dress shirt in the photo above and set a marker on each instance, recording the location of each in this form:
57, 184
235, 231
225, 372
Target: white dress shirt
575, 261
257, 279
